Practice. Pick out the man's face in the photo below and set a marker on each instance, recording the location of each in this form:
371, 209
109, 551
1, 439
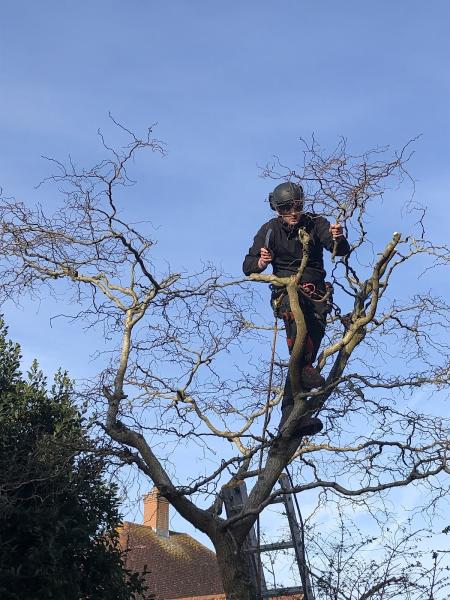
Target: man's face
290, 213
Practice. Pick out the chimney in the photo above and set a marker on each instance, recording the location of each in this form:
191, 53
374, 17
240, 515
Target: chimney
156, 513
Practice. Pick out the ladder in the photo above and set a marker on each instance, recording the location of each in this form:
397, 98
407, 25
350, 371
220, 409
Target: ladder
235, 496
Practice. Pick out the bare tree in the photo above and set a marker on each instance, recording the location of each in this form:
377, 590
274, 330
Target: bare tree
180, 371
398, 563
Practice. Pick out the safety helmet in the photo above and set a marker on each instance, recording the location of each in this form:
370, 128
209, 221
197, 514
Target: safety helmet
286, 193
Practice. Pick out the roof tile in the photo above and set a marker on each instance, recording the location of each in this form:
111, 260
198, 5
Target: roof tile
179, 566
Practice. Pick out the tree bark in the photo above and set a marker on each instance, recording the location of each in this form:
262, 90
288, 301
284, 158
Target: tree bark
235, 568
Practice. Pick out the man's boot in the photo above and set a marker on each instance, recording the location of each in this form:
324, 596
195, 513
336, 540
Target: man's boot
311, 378
308, 425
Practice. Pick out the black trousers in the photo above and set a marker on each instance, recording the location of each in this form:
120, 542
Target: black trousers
316, 305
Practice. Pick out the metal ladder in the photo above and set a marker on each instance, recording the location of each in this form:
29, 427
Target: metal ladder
235, 497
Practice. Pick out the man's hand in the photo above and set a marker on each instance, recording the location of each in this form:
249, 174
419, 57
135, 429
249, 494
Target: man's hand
336, 231
266, 258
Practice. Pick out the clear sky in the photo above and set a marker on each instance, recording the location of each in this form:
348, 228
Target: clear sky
230, 84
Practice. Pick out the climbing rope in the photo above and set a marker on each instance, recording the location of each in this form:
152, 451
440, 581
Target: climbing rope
261, 454
269, 387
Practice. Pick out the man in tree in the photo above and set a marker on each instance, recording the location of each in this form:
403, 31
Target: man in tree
162, 363
277, 242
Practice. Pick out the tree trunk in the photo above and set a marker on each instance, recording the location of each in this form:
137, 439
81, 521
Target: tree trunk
235, 568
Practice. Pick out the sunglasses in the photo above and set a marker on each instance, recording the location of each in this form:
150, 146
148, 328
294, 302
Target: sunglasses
291, 207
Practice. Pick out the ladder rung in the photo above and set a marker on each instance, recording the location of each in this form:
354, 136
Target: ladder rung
235, 497
278, 500
270, 547
282, 592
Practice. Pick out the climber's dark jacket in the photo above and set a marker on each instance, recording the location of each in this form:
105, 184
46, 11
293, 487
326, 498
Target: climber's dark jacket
287, 250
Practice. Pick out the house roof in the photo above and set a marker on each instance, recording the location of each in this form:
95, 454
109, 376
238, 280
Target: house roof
179, 566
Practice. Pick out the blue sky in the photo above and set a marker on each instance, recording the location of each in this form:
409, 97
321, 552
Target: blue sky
229, 84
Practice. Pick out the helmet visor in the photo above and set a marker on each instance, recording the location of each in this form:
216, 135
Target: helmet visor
290, 207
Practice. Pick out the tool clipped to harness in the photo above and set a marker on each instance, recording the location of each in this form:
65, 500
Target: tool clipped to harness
278, 292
